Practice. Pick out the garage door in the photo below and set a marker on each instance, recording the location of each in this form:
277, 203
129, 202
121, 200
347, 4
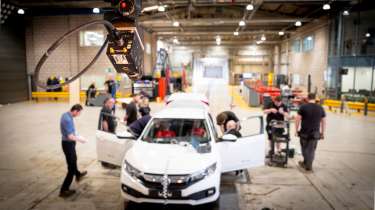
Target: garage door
13, 78
213, 72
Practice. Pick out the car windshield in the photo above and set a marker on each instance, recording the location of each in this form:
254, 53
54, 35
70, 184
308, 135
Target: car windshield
176, 131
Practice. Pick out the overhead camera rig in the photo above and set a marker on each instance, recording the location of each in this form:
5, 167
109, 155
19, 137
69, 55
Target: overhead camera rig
123, 43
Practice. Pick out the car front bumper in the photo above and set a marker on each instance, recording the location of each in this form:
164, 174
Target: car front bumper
204, 191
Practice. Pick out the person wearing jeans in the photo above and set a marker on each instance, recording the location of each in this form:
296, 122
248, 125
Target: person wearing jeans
69, 139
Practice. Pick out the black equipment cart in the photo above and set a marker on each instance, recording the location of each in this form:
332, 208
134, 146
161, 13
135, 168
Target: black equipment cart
280, 134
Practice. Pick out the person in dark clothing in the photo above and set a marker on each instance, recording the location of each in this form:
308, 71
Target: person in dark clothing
311, 117
137, 126
232, 129
275, 111
69, 139
49, 82
90, 93
223, 118
131, 110
107, 120
111, 87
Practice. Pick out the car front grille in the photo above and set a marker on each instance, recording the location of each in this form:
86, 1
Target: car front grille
176, 182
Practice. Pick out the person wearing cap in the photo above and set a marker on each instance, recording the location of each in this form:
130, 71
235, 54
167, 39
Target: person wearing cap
275, 111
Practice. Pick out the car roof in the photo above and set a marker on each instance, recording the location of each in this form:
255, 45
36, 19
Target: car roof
188, 104
188, 97
181, 113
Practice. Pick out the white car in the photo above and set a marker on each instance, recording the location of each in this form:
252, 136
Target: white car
179, 157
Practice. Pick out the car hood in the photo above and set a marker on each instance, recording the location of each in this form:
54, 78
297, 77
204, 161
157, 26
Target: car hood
167, 158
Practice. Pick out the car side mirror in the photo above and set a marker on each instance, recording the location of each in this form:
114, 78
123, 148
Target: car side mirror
126, 135
229, 137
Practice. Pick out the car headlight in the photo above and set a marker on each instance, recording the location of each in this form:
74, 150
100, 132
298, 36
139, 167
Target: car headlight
204, 173
131, 170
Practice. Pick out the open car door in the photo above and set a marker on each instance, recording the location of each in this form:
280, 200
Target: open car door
247, 151
111, 148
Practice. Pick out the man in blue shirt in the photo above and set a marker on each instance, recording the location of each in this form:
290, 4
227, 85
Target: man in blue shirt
69, 139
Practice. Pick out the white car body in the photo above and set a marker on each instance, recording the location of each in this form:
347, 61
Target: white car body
167, 173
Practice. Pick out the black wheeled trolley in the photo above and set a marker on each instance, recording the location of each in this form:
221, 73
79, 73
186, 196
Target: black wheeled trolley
280, 133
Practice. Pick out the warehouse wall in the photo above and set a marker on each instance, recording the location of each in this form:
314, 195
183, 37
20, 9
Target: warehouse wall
69, 58
313, 62
13, 78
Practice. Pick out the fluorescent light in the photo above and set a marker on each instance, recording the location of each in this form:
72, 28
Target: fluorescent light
368, 34
21, 11
96, 10
263, 38
298, 23
242, 23
345, 13
249, 7
236, 33
150, 8
161, 8
326, 7
281, 33
176, 23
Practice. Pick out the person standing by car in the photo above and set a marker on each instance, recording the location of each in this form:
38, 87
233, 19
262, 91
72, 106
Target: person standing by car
275, 111
131, 110
311, 117
107, 120
137, 126
69, 139
223, 118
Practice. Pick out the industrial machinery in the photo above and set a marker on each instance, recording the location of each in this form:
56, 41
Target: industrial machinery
123, 44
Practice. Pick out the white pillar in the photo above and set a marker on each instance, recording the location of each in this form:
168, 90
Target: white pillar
74, 89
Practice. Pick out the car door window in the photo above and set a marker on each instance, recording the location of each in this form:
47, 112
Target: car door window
213, 128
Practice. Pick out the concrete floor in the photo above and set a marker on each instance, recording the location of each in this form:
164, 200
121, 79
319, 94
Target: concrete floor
32, 165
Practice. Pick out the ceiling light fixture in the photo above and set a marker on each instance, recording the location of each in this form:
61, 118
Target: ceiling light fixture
21, 11
368, 35
345, 13
236, 33
176, 24
96, 10
250, 7
161, 8
326, 6
281, 33
263, 38
298, 23
242, 23
259, 42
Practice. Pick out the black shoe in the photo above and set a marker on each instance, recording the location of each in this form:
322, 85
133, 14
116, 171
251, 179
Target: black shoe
81, 175
66, 193
301, 165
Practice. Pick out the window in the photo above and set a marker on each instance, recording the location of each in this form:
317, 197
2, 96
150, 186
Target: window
177, 131
296, 47
308, 43
91, 38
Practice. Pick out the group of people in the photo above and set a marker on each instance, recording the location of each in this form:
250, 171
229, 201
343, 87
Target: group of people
309, 126
136, 117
